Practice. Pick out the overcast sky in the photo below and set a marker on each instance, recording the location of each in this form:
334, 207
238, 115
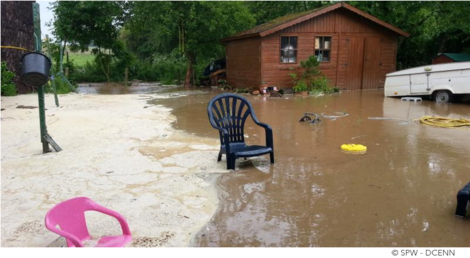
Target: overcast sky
46, 16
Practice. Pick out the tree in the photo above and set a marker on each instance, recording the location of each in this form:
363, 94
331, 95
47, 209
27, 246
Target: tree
265, 11
17, 31
193, 28
82, 23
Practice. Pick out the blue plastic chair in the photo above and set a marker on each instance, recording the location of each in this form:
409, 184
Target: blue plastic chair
227, 113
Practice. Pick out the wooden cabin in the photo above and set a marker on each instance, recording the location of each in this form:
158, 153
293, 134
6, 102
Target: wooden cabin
355, 49
444, 58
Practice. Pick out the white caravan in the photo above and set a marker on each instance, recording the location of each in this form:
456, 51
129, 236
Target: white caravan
443, 82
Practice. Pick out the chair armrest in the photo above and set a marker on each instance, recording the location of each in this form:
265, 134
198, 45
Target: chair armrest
265, 126
119, 217
269, 133
75, 241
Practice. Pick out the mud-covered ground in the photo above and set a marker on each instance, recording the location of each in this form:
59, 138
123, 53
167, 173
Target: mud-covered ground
117, 150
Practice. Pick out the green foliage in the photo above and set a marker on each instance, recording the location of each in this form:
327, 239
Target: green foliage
61, 86
321, 85
83, 23
90, 72
168, 69
192, 28
8, 87
265, 11
80, 58
310, 67
242, 90
300, 86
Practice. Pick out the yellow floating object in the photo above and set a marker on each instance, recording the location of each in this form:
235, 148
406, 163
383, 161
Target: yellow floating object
444, 122
354, 148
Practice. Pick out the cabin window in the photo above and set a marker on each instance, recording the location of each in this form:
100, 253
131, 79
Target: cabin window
323, 48
288, 49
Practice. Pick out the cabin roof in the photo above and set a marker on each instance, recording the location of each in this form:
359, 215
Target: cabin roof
295, 18
457, 57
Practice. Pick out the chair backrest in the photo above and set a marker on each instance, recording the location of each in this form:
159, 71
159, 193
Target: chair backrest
70, 217
229, 111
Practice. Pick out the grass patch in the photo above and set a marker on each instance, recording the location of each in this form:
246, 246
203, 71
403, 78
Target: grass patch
80, 59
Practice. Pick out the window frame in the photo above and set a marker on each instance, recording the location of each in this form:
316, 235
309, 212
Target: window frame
295, 49
323, 49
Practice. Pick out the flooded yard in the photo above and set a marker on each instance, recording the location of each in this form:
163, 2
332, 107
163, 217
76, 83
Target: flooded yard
402, 192
150, 153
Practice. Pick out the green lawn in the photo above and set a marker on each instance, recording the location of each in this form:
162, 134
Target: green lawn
80, 59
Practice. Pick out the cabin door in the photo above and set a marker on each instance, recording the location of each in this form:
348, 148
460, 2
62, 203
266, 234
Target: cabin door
372, 64
355, 63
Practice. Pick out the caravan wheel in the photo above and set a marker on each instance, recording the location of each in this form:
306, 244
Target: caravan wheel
444, 96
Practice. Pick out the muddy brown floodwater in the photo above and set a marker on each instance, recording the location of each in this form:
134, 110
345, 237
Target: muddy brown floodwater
402, 192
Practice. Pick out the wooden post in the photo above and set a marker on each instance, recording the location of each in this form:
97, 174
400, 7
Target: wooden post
126, 76
66, 72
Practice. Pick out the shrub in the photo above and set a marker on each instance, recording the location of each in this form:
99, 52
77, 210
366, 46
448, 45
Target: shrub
61, 85
300, 86
166, 69
311, 68
8, 87
321, 85
88, 73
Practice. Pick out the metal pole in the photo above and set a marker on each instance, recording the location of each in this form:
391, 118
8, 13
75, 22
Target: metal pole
54, 86
42, 120
61, 52
46, 139
42, 111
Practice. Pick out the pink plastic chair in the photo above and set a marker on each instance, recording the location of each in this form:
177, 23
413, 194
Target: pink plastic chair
70, 217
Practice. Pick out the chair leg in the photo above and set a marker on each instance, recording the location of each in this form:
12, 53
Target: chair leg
231, 161
219, 158
271, 156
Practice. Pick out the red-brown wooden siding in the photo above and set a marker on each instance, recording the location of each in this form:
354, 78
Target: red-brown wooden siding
442, 59
362, 51
243, 62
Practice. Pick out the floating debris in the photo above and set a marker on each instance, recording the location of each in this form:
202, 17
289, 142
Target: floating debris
354, 148
412, 99
307, 117
444, 122
334, 117
401, 120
